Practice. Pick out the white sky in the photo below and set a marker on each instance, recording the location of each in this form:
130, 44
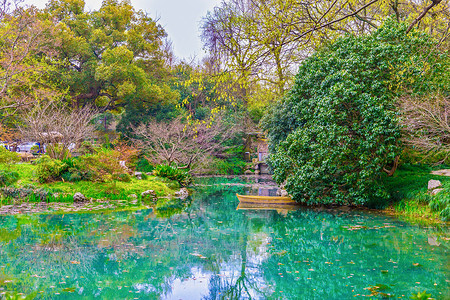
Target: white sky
180, 19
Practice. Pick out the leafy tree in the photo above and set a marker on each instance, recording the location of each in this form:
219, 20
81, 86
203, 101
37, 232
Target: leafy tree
113, 57
26, 58
337, 129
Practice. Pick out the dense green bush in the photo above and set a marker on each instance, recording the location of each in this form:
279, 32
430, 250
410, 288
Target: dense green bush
8, 157
336, 130
49, 169
8, 178
143, 165
173, 173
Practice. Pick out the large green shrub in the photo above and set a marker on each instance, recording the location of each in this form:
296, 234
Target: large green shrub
336, 130
8, 178
49, 169
8, 157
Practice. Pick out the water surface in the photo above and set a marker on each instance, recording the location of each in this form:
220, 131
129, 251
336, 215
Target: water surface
210, 250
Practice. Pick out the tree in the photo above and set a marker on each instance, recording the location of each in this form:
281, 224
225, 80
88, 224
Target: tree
113, 57
337, 130
426, 121
182, 143
58, 127
26, 57
265, 41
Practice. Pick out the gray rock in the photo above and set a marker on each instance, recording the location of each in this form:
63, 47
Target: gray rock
149, 174
182, 193
248, 172
282, 193
434, 184
138, 175
435, 191
79, 197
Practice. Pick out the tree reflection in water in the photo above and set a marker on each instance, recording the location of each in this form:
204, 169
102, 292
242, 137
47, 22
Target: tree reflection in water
247, 254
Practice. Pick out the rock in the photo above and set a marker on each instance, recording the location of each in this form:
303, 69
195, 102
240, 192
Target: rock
434, 184
182, 193
282, 193
435, 191
132, 197
149, 174
149, 196
248, 172
138, 175
79, 197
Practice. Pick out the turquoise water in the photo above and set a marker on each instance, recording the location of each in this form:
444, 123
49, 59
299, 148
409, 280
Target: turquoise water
210, 250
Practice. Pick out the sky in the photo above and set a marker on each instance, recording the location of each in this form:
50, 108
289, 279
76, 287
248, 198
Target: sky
180, 19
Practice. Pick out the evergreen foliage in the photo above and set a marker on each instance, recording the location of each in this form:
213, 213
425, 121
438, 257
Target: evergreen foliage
338, 128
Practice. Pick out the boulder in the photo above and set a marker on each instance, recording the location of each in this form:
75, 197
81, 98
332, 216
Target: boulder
79, 197
248, 172
282, 193
434, 184
182, 193
138, 175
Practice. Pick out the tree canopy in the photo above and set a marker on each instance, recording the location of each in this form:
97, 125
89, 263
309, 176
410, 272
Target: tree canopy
338, 128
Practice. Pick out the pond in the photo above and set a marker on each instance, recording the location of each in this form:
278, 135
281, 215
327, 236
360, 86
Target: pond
211, 250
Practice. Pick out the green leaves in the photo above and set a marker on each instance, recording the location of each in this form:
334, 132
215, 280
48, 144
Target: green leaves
337, 129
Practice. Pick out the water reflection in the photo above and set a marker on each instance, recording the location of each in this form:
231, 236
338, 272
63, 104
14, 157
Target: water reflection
213, 251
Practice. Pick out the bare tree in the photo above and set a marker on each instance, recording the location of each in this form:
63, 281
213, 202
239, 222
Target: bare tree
427, 124
183, 143
58, 127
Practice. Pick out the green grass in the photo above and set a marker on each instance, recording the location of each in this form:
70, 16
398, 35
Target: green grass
115, 190
409, 190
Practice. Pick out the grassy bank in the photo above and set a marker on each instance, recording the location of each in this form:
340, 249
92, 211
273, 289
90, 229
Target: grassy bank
63, 191
410, 196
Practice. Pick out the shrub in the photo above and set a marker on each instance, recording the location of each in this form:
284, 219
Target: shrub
101, 166
49, 169
34, 149
337, 130
124, 177
8, 178
86, 148
173, 173
143, 165
8, 157
58, 151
